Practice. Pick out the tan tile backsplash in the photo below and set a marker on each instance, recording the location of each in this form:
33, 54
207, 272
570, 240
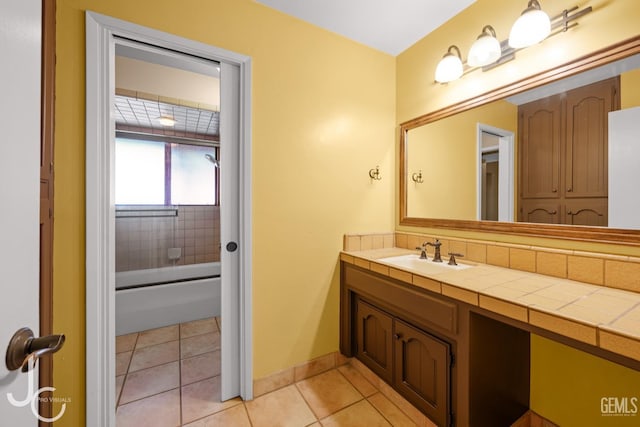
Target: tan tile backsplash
143, 241
595, 268
364, 242
625, 275
477, 252
522, 259
551, 264
498, 255
585, 269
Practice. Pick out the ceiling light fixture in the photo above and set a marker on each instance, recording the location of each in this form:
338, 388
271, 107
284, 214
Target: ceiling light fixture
167, 121
487, 52
450, 66
531, 27
486, 49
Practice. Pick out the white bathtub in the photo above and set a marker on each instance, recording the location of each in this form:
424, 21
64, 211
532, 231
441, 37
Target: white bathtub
193, 294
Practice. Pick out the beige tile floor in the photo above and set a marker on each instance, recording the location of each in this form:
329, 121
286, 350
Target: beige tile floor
171, 377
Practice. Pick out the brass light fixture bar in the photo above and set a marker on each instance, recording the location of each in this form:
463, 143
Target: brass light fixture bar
559, 24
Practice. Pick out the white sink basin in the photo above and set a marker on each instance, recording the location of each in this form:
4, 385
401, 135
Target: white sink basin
413, 262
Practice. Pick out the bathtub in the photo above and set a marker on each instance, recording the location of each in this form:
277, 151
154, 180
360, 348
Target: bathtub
148, 299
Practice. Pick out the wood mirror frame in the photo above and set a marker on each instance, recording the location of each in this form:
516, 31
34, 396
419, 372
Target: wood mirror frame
571, 232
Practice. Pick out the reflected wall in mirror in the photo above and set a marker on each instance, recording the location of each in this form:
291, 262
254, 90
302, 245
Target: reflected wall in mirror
446, 146
447, 153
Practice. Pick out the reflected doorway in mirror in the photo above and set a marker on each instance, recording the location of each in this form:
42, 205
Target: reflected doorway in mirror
495, 160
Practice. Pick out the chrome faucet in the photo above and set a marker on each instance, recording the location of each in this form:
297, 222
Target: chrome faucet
436, 245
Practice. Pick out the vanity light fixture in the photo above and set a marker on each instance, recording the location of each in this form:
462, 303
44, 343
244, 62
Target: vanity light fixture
167, 121
531, 27
375, 173
486, 49
450, 66
417, 177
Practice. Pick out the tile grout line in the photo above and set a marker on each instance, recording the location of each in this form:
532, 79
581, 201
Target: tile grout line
624, 313
394, 405
295, 385
389, 399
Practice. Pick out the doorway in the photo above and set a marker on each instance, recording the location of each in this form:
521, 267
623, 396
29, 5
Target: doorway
104, 35
495, 166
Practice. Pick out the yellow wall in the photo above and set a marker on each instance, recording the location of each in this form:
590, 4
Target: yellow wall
323, 114
567, 385
446, 152
630, 89
416, 94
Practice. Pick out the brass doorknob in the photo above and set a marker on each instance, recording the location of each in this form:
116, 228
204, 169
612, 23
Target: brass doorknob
24, 346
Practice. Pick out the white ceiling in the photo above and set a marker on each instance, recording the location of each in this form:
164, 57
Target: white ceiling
387, 25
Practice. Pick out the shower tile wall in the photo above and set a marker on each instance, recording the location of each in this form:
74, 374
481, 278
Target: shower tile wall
143, 243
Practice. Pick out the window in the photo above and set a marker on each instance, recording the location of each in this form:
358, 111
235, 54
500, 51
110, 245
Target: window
163, 173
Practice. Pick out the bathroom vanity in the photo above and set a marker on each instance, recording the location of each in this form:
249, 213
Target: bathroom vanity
450, 362
455, 351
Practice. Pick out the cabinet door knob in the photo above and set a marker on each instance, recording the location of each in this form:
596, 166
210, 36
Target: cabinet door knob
555, 190
570, 189
397, 336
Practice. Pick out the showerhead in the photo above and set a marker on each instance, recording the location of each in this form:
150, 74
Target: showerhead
213, 160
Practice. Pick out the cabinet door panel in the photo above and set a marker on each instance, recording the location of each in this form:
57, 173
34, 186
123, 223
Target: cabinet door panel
540, 211
422, 371
540, 128
374, 340
586, 172
592, 212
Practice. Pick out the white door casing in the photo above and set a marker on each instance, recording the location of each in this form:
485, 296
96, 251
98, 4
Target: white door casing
101, 33
20, 50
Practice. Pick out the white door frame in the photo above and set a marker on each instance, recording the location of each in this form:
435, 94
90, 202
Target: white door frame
506, 173
100, 206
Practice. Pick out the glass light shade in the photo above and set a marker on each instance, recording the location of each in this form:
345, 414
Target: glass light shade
486, 50
532, 27
167, 121
449, 68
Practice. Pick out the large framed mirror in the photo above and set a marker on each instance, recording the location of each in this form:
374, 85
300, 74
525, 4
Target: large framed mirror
468, 166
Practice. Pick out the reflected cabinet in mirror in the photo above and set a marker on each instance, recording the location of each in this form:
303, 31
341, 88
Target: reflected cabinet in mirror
557, 155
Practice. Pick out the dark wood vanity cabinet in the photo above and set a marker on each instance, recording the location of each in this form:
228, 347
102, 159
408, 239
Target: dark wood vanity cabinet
416, 363
453, 364
374, 339
422, 370
564, 155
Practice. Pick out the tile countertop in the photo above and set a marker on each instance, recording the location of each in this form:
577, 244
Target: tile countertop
603, 317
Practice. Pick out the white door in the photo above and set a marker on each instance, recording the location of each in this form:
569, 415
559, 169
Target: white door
230, 229
624, 174
20, 41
